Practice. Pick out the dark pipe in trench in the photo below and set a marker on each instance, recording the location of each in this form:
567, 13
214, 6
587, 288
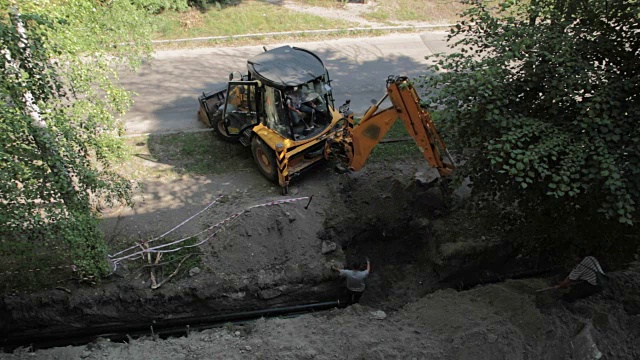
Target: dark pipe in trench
161, 328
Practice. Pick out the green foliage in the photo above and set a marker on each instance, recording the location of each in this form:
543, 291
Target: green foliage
58, 107
158, 6
206, 4
546, 94
198, 153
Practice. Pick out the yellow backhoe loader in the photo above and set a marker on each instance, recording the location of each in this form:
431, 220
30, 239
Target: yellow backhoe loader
283, 109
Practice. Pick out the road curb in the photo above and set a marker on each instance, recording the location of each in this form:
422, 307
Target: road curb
299, 32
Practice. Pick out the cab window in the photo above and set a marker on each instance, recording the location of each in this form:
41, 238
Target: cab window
274, 109
240, 110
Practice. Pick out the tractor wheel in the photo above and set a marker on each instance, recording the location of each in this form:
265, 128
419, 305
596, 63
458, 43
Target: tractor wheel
218, 128
265, 157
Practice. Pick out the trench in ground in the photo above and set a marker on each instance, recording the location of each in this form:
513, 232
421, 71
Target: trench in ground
401, 238
406, 267
417, 245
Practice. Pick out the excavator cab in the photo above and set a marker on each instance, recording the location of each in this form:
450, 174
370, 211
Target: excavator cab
257, 110
291, 124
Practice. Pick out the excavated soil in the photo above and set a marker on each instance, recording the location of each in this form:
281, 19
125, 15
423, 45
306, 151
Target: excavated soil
268, 256
280, 255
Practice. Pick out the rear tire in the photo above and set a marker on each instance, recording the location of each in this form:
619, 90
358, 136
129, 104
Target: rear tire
219, 129
265, 158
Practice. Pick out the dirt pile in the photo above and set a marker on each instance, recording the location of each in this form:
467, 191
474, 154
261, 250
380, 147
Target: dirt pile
500, 321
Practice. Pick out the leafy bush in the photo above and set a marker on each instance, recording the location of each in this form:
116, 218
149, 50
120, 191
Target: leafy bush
546, 94
58, 100
206, 4
158, 6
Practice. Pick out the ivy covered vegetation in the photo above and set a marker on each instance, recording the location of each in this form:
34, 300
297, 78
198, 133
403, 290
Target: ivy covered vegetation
544, 96
58, 108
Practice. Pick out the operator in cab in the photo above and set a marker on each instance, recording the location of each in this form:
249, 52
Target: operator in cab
297, 109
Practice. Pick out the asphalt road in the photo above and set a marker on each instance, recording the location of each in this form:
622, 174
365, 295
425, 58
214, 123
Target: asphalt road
168, 88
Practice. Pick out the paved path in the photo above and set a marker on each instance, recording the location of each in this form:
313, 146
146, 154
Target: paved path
168, 90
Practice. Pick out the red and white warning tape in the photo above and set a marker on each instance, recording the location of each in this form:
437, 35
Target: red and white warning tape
157, 249
278, 202
173, 229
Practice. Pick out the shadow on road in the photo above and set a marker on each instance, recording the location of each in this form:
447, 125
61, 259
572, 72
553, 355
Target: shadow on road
168, 91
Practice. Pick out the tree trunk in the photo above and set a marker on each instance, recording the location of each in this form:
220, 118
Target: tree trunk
41, 134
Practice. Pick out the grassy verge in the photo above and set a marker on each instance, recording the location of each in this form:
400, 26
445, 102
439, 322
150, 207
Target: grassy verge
172, 155
247, 17
266, 40
396, 150
431, 11
331, 4
252, 16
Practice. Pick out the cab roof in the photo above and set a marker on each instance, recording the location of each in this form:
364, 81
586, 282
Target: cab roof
286, 66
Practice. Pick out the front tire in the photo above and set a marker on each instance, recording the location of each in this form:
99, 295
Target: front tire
219, 129
265, 158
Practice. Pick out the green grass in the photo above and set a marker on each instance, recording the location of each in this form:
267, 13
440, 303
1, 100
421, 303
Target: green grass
247, 17
172, 155
276, 39
399, 150
324, 3
378, 15
396, 150
253, 16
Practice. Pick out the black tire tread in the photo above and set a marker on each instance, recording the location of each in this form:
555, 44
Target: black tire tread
257, 143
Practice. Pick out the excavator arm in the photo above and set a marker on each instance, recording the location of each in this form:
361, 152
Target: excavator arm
357, 142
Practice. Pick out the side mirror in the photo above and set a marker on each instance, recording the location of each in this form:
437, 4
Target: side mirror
230, 76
